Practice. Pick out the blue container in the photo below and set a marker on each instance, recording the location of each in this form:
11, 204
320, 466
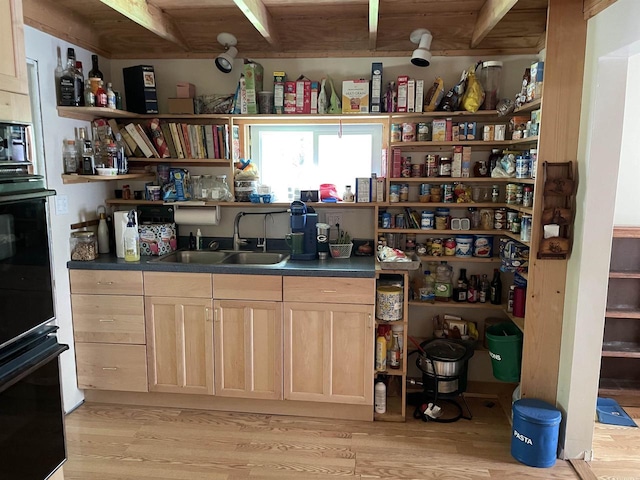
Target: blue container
535, 432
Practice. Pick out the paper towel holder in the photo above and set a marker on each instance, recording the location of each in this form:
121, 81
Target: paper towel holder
196, 213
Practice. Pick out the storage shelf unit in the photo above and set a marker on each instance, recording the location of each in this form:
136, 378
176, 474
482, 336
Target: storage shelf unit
452, 305
71, 178
208, 162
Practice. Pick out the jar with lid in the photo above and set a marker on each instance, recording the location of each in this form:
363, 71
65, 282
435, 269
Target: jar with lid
347, 196
444, 167
495, 193
474, 218
527, 197
486, 219
70, 157
442, 218
84, 246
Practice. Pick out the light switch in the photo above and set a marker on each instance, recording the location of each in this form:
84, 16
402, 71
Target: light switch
62, 205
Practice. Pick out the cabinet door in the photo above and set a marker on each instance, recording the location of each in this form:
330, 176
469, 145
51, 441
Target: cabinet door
179, 344
328, 353
13, 63
248, 349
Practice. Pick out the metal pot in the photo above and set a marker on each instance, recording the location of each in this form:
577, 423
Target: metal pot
448, 359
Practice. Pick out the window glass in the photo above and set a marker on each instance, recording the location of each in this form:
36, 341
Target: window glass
305, 156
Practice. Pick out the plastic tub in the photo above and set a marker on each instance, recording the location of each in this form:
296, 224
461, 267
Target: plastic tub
464, 246
534, 440
483, 246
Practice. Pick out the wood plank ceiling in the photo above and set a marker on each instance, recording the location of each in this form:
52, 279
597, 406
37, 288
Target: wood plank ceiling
292, 28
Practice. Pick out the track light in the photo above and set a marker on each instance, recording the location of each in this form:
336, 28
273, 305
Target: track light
421, 56
224, 61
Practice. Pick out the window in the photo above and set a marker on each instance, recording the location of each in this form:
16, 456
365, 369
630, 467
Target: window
305, 156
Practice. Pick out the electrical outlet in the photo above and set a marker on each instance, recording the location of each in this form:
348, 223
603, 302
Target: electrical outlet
62, 205
333, 218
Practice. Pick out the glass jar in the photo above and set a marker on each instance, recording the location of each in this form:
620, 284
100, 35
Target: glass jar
444, 168
486, 219
84, 246
442, 218
196, 185
474, 218
348, 194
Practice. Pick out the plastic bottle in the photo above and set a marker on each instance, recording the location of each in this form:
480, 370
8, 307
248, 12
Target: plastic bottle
121, 155
103, 234
131, 240
428, 291
198, 240
380, 397
443, 287
381, 353
484, 290
496, 288
111, 96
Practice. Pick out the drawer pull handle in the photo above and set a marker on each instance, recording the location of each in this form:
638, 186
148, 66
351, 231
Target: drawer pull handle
105, 283
106, 320
109, 368
329, 291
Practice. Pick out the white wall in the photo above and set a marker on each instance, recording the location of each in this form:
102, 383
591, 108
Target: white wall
82, 198
612, 37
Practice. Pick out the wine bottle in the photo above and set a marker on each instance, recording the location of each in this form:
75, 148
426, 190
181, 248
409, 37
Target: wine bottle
95, 75
496, 288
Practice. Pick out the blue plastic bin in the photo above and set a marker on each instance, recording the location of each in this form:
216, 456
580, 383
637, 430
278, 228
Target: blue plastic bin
535, 432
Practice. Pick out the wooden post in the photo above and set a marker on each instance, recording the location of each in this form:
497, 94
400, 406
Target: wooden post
562, 94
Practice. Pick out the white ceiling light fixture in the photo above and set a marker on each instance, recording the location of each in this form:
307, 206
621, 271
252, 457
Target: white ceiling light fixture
224, 61
421, 56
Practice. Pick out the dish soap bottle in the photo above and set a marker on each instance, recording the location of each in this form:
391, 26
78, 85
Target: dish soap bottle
198, 240
131, 240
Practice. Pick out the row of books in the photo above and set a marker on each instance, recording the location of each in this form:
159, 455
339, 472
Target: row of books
158, 139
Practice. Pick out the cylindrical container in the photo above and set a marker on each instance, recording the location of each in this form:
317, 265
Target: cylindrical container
408, 132
500, 218
536, 425
404, 192
411, 243
464, 246
442, 218
427, 220
431, 165
394, 193
436, 193
425, 188
510, 195
405, 169
505, 350
515, 225
386, 220
381, 353
447, 193
519, 301
519, 194
84, 246
486, 218
489, 76
396, 132
525, 228
482, 246
399, 331
522, 167
417, 170
444, 167
380, 395
424, 132
389, 300
474, 218
436, 247
527, 197
400, 220
511, 216
450, 247
244, 189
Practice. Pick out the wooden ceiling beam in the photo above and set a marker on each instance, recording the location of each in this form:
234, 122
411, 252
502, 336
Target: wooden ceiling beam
490, 14
260, 18
374, 8
150, 17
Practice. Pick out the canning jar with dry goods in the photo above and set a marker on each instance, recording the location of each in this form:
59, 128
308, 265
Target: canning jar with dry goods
84, 246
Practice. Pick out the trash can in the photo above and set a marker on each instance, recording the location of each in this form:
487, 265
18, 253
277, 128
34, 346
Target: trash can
505, 349
534, 441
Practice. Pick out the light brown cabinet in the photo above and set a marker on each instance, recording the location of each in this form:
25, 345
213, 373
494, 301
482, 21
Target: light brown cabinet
328, 352
14, 89
106, 366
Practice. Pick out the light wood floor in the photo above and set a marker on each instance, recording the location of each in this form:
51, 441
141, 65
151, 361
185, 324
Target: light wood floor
616, 450
111, 442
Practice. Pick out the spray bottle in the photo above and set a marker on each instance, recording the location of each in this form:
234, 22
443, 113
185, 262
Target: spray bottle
131, 239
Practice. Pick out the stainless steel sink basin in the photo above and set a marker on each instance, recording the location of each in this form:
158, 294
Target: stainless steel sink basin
208, 257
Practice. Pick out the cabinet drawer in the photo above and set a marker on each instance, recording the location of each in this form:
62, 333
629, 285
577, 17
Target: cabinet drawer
114, 282
245, 287
106, 366
166, 284
329, 290
108, 318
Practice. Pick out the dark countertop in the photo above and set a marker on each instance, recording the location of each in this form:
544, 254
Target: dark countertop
362, 267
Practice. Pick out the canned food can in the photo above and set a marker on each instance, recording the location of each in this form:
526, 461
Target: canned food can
404, 192
464, 246
450, 247
394, 193
389, 301
400, 220
527, 197
510, 195
515, 225
396, 132
405, 170
427, 220
525, 228
424, 132
431, 165
386, 220
408, 132
511, 216
447, 193
417, 170
444, 167
425, 188
500, 218
519, 194
522, 167
482, 246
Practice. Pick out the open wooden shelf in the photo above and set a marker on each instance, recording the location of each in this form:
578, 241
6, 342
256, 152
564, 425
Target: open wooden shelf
624, 274
209, 162
626, 232
121, 201
520, 141
515, 236
621, 349
519, 208
519, 321
619, 386
528, 107
453, 258
393, 413
71, 178
452, 304
623, 313
440, 232
391, 372
446, 205
453, 179
442, 114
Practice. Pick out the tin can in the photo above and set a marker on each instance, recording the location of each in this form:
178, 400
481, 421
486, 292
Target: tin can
431, 165
389, 300
394, 193
396, 132
525, 228
510, 195
404, 192
447, 193
386, 220
519, 194
442, 219
500, 218
449, 247
510, 217
400, 220
522, 167
444, 167
417, 170
425, 188
427, 220
408, 132
527, 197
405, 170
424, 132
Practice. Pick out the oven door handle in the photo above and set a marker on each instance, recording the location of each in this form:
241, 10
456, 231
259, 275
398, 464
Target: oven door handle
16, 197
30, 362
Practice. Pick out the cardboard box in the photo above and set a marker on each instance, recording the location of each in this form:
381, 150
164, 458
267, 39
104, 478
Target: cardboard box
466, 162
278, 92
419, 96
499, 132
411, 95
456, 162
537, 80
355, 96
448, 133
157, 239
243, 95
376, 88
396, 163
181, 105
315, 89
140, 89
303, 95
455, 133
438, 130
289, 97
488, 133
471, 131
380, 189
253, 77
403, 81
363, 189
185, 90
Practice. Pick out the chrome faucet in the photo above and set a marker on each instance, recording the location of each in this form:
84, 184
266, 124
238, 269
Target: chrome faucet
237, 241
263, 244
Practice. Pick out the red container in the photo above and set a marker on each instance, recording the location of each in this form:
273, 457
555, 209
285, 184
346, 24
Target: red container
519, 301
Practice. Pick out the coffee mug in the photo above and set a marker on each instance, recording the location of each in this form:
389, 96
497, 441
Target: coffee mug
295, 241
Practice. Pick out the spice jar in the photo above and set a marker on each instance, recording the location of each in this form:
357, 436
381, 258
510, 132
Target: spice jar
84, 246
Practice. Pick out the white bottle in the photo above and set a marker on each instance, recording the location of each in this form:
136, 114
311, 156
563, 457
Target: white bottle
131, 240
380, 397
198, 240
103, 235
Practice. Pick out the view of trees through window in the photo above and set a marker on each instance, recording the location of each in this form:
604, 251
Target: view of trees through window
305, 156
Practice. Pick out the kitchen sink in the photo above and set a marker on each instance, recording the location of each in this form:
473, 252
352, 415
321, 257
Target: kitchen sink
207, 257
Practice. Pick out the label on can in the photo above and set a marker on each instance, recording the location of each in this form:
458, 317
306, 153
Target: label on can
424, 132
400, 220
394, 193
425, 188
522, 167
396, 132
447, 193
408, 132
431, 166
427, 220
450, 247
500, 219
386, 220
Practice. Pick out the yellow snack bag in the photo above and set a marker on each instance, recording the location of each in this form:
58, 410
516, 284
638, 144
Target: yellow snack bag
434, 96
474, 94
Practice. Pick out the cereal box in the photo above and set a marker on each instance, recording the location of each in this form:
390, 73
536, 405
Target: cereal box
438, 130
355, 96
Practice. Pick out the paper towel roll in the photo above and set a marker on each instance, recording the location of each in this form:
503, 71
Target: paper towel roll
197, 215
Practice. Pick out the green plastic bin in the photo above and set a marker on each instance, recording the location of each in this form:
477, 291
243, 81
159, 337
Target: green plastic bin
505, 349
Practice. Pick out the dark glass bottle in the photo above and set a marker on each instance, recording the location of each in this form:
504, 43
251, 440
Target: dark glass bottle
484, 290
496, 288
460, 291
79, 85
67, 81
494, 158
94, 74
472, 291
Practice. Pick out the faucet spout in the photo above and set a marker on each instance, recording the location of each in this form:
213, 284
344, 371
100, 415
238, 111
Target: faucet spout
237, 241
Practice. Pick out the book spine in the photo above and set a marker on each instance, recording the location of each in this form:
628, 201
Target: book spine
147, 140
146, 151
185, 137
158, 139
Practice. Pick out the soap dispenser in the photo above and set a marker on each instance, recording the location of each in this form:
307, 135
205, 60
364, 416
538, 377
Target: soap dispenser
198, 240
131, 239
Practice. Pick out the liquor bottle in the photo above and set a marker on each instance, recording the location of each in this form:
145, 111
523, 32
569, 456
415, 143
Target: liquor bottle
58, 74
89, 96
472, 292
496, 288
122, 162
394, 357
67, 81
85, 148
79, 85
95, 75
485, 289
101, 95
460, 291
111, 96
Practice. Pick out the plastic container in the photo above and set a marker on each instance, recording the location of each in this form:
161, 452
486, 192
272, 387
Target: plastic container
464, 246
389, 303
482, 246
380, 396
490, 76
534, 441
505, 349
